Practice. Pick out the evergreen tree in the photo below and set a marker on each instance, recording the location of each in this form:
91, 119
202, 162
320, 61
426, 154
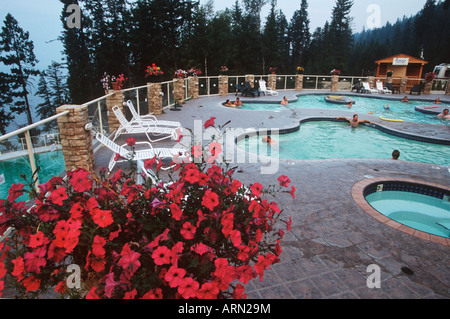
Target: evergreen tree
6, 116
299, 35
18, 54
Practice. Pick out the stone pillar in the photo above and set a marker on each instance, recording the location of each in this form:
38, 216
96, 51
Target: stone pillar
447, 90
272, 82
154, 97
223, 85
111, 101
427, 88
250, 78
403, 85
299, 82
334, 83
178, 90
193, 90
76, 141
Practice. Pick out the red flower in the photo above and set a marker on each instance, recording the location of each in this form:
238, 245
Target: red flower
192, 176
153, 294
148, 164
58, 196
19, 268
209, 122
102, 218
256, 189
235, 236
162, 255
130, 259
175, 211
227, 222
284, 180
35, 260
31, 284
131, 141
174, 276
239, 292
188, 288
208, 290
188, 230
80, 181
197, 151
97, 246
15, 191
292, 192
92, 294
38, 239
210, 200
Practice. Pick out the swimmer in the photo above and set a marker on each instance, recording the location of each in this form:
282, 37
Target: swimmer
437, 101
387, 108
238, 102
444, 115
350, 105
285, 101
395, 155
269, 140
405, 99
354, 122
228, 103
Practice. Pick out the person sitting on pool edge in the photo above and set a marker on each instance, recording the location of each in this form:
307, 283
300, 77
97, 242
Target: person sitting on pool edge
444, 115
354, 122
395, 155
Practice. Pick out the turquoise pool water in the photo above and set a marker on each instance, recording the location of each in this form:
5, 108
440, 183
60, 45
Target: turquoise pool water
398, 110
51, 163
421, 212
330, 140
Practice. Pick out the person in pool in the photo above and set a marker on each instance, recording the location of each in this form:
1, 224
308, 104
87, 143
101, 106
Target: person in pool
355, 121
444, 115
395, 155
268, 139
405, 99
285, 101
228, 103
238, 102
387, 108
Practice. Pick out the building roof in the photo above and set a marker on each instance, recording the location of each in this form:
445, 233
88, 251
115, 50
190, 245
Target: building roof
401, 55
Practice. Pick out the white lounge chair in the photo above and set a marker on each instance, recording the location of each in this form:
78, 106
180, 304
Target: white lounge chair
128, 127
367, 88
142, 154
382, 89
149, 118
266, 90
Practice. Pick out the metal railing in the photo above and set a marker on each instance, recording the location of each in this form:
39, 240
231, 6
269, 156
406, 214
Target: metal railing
28, 141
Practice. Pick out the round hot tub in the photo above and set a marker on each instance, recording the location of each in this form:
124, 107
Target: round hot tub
420, 209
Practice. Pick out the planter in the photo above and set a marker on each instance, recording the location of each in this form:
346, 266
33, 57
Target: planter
115, 86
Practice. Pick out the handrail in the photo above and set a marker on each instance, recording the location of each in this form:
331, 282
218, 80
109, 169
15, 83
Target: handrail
97, 100
32, 126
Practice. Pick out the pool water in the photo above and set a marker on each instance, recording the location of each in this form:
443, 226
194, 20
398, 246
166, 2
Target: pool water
398, 110
51, 163
333, 140
421, 212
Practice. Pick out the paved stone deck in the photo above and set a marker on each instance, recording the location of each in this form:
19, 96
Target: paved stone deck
333, 241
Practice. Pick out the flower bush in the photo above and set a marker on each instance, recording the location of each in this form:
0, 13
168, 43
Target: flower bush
335, 72
430, 76
203, 235
109, 81
153, 70
223, 69
272, 70
180, 74
194, 72
300, 70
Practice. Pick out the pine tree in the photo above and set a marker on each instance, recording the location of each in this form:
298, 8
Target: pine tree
299, 34
6, 116
18, 54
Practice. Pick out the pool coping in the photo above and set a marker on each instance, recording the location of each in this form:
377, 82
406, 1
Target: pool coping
357, 193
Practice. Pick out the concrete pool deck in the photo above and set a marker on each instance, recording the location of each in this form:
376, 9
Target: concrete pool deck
333, 241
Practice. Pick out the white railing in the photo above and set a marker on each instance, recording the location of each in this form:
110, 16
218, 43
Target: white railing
29, 144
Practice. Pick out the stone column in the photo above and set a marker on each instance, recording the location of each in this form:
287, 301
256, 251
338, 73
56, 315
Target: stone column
427, 88
272, 82
193, 87
447, 90
76, 141
223, 85
250, 78
154, 97
111, 101
299, 82
403, 85
334, 83
178, 90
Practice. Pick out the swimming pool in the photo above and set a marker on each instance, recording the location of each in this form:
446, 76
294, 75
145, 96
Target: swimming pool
51, 163
333, 140
398, 110
422, 212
